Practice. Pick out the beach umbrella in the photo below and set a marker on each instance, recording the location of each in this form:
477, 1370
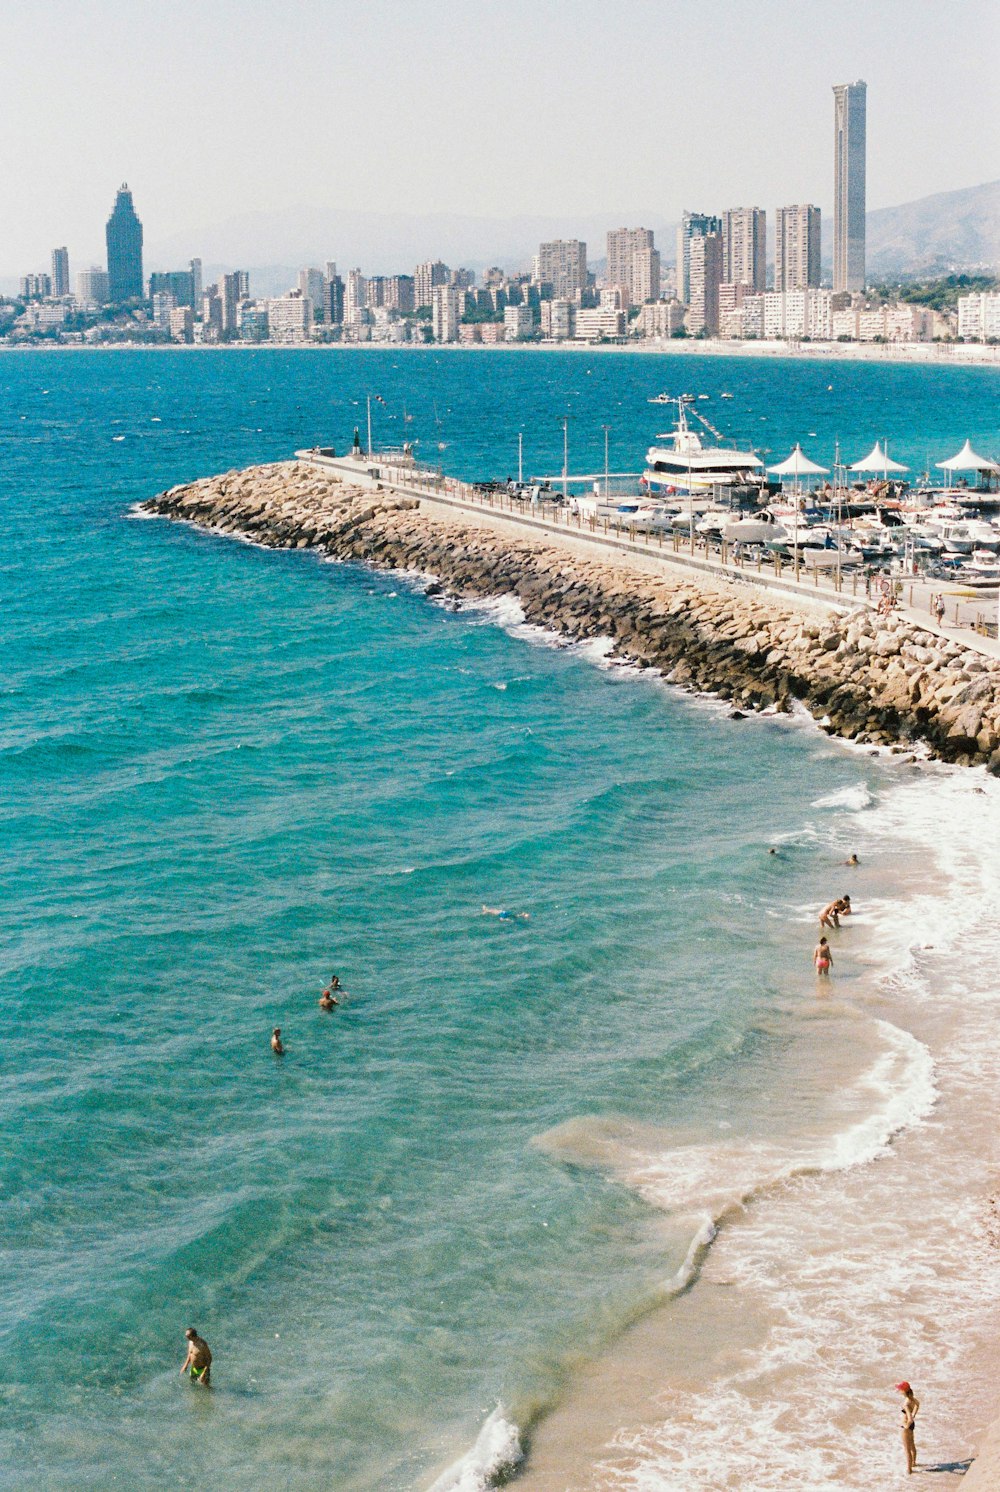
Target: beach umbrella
797, 465
878, 459
967, 460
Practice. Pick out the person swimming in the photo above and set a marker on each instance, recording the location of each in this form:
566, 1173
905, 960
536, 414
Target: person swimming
852, 860
505, 914
327, 1000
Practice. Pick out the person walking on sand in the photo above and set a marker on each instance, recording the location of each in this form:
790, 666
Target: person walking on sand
277, 1045
199, 1359
908, 1419
823, 958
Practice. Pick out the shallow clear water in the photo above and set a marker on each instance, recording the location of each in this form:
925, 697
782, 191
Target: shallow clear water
227, 772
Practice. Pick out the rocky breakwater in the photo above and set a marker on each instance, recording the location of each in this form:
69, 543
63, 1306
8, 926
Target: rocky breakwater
886, 681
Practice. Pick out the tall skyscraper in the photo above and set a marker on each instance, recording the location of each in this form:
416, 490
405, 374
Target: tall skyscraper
60, 272
704, 278
196, 286
850, 105
124, 240
692, 225
744, 247
562, 263
634, 264
797, 243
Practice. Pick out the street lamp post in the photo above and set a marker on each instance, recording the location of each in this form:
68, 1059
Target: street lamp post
565, 474
607, 431
520, 457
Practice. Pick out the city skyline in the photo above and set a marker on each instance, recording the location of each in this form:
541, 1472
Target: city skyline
565, 153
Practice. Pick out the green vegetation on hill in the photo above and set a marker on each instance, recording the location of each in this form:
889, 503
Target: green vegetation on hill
940, 294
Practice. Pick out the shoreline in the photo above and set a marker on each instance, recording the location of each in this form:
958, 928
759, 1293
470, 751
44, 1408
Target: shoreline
696, 631
937, 354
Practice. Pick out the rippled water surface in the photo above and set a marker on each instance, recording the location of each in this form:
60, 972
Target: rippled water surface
226, 773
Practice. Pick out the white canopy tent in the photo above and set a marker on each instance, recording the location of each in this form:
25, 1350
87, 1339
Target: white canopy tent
967, 460
798, 465
878, 459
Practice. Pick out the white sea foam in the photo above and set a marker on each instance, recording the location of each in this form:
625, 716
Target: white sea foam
861, 1273
496, 1453
856, 796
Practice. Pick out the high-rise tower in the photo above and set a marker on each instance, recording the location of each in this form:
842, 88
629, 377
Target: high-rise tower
797, 244
849, 116
744, 247
60, 272
124, 240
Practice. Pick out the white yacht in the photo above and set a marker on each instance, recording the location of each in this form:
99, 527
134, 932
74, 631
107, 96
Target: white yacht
691, 472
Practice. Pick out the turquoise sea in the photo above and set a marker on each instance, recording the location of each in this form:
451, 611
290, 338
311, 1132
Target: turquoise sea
226, 773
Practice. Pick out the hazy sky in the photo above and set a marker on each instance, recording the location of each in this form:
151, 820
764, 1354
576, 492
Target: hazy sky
214, 108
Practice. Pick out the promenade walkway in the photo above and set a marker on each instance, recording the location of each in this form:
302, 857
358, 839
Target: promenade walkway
967, 614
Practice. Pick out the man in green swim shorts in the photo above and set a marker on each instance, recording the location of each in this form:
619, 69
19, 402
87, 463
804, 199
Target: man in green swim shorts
199, 1359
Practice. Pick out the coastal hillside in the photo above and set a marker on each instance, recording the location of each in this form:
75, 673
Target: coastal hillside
949, 230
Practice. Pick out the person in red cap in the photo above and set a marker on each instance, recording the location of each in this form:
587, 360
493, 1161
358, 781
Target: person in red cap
908, 1411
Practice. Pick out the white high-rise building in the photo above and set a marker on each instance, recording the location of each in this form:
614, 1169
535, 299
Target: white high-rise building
849, 131
633, 264
92, 286
446, 309
744, 247
979, 316
312, 284
797, 245
562, 263
356, 299
290, 318
426, 278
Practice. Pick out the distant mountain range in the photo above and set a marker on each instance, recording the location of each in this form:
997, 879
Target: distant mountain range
947, 232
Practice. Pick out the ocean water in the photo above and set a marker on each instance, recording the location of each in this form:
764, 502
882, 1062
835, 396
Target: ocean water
593, 1184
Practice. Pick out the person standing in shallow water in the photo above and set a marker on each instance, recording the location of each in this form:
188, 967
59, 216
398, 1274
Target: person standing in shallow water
908, 1413
199, 1359
823, 958
277, 1045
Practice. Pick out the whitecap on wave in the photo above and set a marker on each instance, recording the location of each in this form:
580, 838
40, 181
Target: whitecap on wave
496, 1453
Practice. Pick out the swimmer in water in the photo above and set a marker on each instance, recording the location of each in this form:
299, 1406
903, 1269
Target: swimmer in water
773, 850
327, 1001
334, 982
842, 906
505, 914
277, 1046
852, 860
823, 957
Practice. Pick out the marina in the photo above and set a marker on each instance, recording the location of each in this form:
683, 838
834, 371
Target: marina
866, 535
